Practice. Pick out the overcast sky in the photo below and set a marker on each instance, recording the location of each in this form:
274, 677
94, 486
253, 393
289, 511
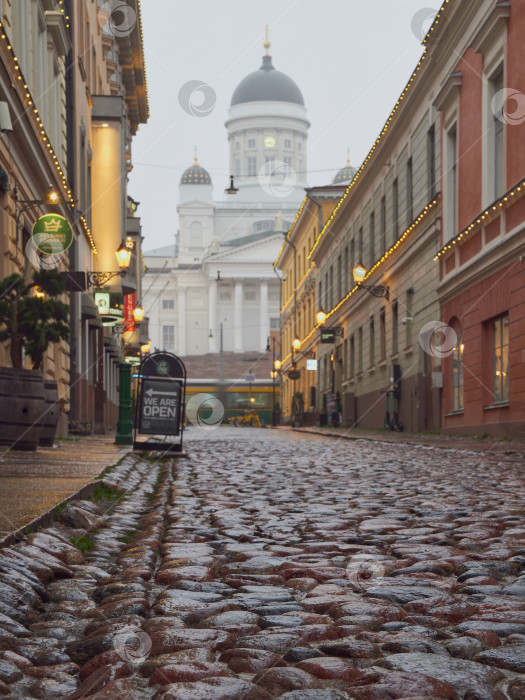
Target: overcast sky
350, 59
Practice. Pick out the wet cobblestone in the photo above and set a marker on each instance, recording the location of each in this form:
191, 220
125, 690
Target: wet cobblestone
276, 565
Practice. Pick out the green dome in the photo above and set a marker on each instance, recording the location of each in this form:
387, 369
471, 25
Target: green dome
195, 175
345, 174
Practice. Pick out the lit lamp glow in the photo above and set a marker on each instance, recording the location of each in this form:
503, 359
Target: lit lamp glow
277, 364
123, 256
138, 314
320, 316
39, 293
273, 374
359, 272
296, 344
145, 347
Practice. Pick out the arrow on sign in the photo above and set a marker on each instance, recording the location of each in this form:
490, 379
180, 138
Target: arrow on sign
150, 392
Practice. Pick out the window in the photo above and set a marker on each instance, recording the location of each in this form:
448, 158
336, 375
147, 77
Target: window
383, 225
372, 343
431, 162
408, 319
394, 328
382, 335
251, 143
331, 287
237, 167
168, 304
360, 245
250, 295
238, 146
345, 360
168, 337
360, 350
339, 280
275, 323
372, 238
410, 193
326, 293
501, 359
252, 166
457, 375
352, 356
299, 146
352, 262
395, 209
288, 162
346, 271
287, 143
452, 184
321, 305
269, 165
499, 173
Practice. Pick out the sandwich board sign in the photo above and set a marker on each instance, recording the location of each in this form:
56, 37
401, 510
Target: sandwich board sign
159, 414
160, 399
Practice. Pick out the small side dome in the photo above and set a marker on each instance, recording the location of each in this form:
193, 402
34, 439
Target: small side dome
195, 174
345, 174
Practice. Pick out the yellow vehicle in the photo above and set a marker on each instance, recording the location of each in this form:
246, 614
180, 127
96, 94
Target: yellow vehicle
249, 417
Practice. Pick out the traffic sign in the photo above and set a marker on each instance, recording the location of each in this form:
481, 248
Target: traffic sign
159, 411
250, 377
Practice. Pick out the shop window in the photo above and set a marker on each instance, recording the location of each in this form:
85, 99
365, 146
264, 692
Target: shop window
457, 375
501, 359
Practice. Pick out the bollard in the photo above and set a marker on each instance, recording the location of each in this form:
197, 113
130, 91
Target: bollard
124, 434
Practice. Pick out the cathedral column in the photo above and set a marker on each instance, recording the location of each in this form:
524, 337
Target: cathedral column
181, 345
212, 315
238, 345
265, 331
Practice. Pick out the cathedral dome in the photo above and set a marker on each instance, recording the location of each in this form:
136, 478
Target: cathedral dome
195, 175
345, 174
267, 85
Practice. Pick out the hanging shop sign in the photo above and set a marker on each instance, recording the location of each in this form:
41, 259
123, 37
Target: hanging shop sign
52, 234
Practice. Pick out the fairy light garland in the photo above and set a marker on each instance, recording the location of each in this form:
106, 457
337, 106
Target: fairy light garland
290, 231
292, 295
386, 127
143, 56
33, 113
497, 206
426, 211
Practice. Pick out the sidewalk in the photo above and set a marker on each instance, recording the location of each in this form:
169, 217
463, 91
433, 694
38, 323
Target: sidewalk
493, 445
31, 483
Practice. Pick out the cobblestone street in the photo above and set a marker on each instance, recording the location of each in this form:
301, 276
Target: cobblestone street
269, 564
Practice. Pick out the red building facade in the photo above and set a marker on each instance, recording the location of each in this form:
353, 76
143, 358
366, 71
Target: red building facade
482, 258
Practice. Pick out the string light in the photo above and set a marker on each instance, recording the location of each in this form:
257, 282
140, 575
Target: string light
292, 295
496, 206
424, 213
386, 127
39, 125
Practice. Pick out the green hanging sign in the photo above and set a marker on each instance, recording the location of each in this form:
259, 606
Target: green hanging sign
52, 234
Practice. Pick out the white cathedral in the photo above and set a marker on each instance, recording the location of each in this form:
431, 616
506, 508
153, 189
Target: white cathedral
217, 281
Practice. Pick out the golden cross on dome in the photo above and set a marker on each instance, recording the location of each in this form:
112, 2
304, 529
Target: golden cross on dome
266, 42
195, 161
348, 156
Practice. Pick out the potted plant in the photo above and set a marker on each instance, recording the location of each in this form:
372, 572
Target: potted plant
30, 323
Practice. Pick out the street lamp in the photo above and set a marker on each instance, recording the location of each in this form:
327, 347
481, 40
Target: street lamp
379, 290
231, 189
99, 279
52, 198
145, 347
138, 314
320, 317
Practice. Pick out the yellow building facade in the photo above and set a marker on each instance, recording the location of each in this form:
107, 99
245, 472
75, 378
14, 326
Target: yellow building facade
299, 338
